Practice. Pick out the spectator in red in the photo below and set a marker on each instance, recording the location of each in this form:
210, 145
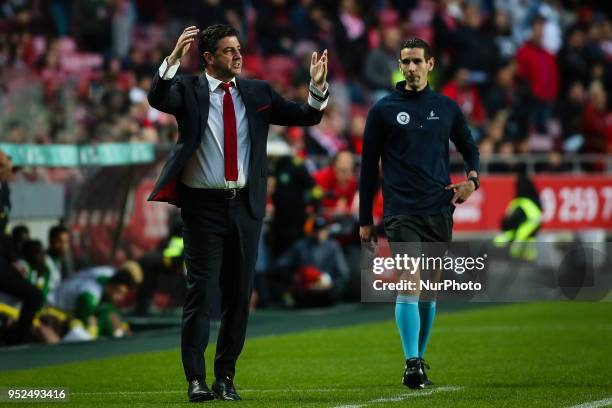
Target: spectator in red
339, 183
538, 67
295, 138
597, 121
460, 90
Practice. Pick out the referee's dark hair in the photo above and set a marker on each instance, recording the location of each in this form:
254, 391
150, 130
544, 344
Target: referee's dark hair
210, 36
416, 42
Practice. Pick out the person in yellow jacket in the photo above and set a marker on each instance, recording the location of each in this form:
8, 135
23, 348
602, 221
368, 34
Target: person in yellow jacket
522, 221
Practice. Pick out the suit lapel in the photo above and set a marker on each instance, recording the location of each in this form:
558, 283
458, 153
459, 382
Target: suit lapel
246, 94
202, 93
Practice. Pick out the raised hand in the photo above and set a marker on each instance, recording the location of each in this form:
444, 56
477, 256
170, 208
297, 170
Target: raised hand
318, 69
183, 43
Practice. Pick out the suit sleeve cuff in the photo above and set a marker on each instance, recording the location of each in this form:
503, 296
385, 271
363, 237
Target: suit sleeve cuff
168, 71
317, 99
313, 89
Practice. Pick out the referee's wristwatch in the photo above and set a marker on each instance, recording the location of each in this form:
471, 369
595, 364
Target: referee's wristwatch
476, 182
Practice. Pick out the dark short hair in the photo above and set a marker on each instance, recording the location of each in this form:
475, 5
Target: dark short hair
19, 231
122, 277
538, 19
56, 231
31, 249
416, 42
209, 38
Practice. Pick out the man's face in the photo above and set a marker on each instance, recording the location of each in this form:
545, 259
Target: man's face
22, 237
599, 98
462, 77
414, 67
537, 32
343, 168
118, 293
391, 38
322, 235
226, 62
61, 243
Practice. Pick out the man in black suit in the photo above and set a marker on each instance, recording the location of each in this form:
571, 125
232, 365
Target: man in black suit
217, 175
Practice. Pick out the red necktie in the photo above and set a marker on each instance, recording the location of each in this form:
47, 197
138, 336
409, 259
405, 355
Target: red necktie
230, 135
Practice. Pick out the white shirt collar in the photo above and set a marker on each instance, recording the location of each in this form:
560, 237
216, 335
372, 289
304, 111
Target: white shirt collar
213, 83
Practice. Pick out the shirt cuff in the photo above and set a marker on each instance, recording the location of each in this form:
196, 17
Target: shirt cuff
168, 72
316, 98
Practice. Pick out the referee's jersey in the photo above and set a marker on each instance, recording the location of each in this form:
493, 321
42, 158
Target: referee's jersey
410, 132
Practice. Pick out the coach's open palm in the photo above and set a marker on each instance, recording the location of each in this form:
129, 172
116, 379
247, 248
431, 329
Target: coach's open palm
182, 44
318, 69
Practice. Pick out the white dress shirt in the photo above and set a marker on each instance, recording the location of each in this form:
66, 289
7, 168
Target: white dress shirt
206, 168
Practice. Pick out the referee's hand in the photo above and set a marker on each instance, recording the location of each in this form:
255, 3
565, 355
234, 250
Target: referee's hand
367, 233
462, 190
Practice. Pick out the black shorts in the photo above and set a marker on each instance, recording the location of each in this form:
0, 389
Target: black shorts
419, 228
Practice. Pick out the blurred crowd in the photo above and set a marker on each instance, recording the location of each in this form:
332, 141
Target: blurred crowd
530, 75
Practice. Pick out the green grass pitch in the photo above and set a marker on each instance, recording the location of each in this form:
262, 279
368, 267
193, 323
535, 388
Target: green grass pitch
550, 355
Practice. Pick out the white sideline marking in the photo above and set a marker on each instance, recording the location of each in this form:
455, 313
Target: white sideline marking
594, 404
402, 397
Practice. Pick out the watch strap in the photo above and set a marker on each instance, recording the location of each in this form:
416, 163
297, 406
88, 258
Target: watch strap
476, 182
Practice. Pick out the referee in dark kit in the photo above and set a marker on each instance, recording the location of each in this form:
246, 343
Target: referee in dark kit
409, 132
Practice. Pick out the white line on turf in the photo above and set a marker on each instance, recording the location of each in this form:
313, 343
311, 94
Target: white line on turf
594, 404
402, 397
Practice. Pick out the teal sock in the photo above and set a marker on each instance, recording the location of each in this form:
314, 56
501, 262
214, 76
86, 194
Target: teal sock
408, 323
427, 313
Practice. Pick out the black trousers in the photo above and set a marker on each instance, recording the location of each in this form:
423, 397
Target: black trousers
12, 283
221, 240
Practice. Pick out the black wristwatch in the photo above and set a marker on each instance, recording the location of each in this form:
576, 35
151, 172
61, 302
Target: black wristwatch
476, 182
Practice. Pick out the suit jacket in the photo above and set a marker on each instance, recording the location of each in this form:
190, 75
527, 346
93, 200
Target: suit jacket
187, 98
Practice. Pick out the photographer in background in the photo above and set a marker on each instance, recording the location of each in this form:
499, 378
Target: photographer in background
314, 268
